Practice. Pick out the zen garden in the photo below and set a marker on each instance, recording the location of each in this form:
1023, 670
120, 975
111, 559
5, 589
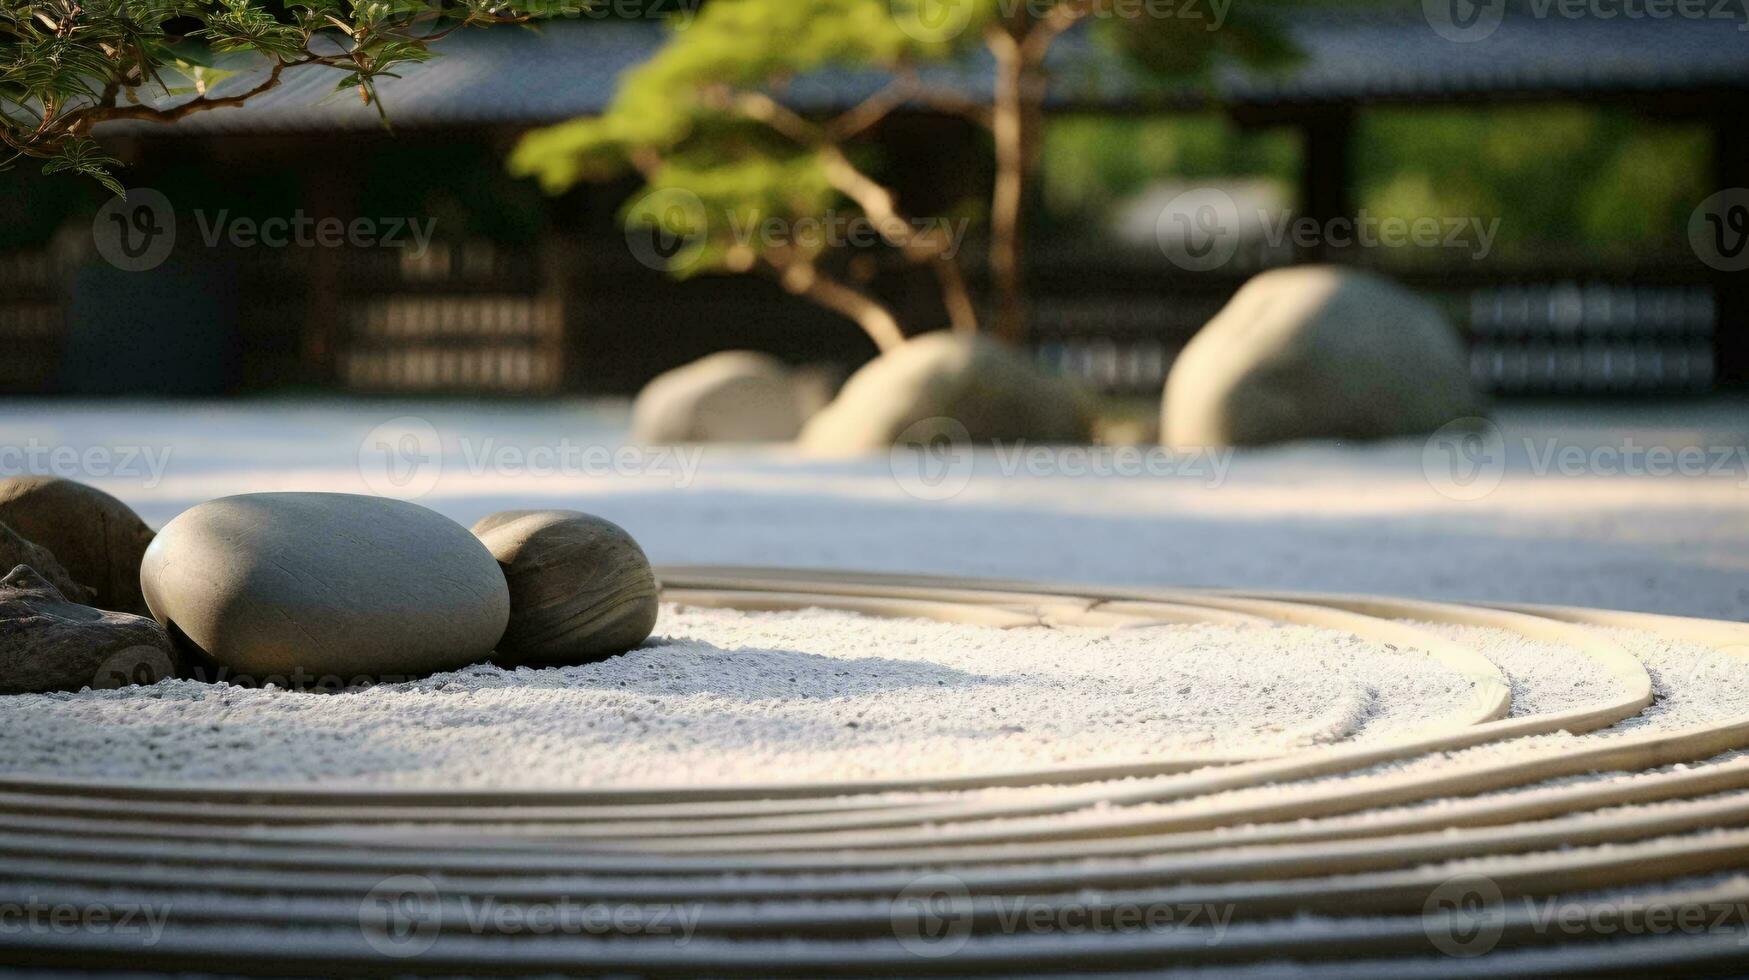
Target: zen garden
1194, 488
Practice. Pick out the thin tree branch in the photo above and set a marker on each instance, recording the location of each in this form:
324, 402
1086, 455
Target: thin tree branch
83, 119
921, 247
803, 278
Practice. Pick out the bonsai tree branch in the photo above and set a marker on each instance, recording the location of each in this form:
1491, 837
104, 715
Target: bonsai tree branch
803, 278
67, 65
921, 247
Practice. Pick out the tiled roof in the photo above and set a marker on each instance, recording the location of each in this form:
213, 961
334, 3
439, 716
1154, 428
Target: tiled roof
507, 76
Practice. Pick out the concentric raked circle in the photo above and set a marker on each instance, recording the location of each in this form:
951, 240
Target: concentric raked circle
1603, 837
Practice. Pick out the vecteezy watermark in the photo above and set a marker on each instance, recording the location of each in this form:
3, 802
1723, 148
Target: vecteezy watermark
137, 231
301, 230
1467, 916
1718, 230
669, 228
405, 458
934, 916
836, 229
402, 458
405, 915
1465, 21
145, 464
142, 665
1466, 459
1463, 916
39, 917
935, 459
940, 21
1202, 229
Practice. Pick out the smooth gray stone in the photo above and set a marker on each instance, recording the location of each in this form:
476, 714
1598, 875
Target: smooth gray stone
48, 643
580, 588
1318, 352
297, 588
731, 396
938, 382
15, 551
98, 539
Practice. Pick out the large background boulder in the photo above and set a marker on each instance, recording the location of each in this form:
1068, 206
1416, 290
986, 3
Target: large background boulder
733, 396
98, 539
995, 392
1317, 352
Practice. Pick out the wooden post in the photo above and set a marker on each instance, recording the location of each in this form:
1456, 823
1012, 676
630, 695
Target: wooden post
324, 303
1730, 289
1326, 141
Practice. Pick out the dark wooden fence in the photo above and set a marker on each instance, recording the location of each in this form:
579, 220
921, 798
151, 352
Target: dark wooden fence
584, 317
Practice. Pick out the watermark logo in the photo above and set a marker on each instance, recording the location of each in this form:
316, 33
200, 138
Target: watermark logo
404, 458
1718, 230
933, 459
142, 665
402, 916
401, 458
145, 464
301, 230
135, 232
932, 916
666, 229
1464, 21
1202, 229
836, 229
1465, 460
1465, 916
1199, 229
130, 921
933, 21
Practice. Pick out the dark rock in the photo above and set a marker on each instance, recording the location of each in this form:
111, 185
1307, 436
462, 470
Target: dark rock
15, 551
580, 588
299, 588
48, 643
98, 539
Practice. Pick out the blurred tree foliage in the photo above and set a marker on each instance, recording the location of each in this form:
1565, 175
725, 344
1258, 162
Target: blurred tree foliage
1566, 178
708, 123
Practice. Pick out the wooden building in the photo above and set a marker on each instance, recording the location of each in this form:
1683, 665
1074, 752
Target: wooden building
560, 304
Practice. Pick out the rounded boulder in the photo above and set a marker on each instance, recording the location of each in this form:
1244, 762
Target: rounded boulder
304, 586
1317, 352
733, 396
580, 587
994, 392
98, 539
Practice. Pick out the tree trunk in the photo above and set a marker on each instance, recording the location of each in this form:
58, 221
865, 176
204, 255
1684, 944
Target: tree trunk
1016, 121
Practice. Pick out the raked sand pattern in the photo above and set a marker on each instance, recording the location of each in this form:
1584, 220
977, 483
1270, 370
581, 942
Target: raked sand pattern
1272, 785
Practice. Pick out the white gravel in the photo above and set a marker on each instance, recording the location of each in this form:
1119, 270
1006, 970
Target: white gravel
720, 696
